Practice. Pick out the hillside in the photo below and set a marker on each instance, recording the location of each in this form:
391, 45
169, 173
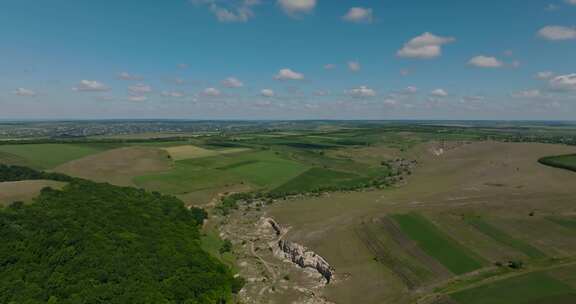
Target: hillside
98, 243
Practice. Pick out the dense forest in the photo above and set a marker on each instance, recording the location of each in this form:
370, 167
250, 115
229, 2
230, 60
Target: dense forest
98, 243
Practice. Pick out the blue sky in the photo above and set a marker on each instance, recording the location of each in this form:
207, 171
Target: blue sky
288, 59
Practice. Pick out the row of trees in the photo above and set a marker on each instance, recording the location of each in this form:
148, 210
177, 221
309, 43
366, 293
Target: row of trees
99, 243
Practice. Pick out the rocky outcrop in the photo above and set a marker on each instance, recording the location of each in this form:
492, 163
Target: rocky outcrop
305, 258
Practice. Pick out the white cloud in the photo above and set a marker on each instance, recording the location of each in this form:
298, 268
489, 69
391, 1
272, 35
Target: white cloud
267, 93
354, 66
563, 82
230, 11
140, 89
321, 93
410, 90
137, 98
183, 66
571, 2
527, 94
390, 102
472, 98
439, 93
359, 15
557, 33
329, 66
362, 91
485, 62
405, 72
174, 94
292, 7
212, 92
288, 74
90, 86
544, 75
232, 82
425, 46
24, 92
128, 76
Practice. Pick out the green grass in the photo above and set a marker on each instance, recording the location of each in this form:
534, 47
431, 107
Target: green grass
534, 288
262, 170
47, 156
569, 223
315, 178
567, 162
457, 258
503, 238
211, 243
268, 171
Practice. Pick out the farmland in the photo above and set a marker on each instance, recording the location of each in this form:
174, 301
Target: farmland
404, 213
567, 162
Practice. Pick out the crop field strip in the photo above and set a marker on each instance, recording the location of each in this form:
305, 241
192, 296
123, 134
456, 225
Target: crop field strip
567, 162
502, 237
457, 258
407, 268
47, 156
566, 222
531, 288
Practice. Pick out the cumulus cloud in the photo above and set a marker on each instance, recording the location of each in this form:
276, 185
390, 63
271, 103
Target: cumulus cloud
90, 86
544, 75
292, 7
212, 92
354, 66
230, 11
485, 62
232, 82
329, 66
571, 2
267, 93
425, 46
137, 98
359, 15
563, 82
174, 94
183, 66
410, 90
390, 102
439, 93
288, 74
140, 89
128, 76
557, 33
527, 94
362, 91
24, 92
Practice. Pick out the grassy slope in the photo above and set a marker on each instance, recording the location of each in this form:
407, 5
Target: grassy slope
534, 287
437, 244
47, 156
503, 238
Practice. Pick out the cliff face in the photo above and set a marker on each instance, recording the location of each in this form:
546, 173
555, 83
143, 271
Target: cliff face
305, 258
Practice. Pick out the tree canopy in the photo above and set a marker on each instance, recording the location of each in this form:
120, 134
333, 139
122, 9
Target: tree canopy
98, 243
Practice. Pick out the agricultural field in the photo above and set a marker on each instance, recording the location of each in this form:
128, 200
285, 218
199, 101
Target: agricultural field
536, 288
437, 244
47, 156
405, 214
567, 162
24, 191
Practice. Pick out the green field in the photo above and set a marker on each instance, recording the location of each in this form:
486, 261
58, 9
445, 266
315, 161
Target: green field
48, 156
503, 238
260, 169
437, 244
567, 162
316, 178
532, 288
566, 222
